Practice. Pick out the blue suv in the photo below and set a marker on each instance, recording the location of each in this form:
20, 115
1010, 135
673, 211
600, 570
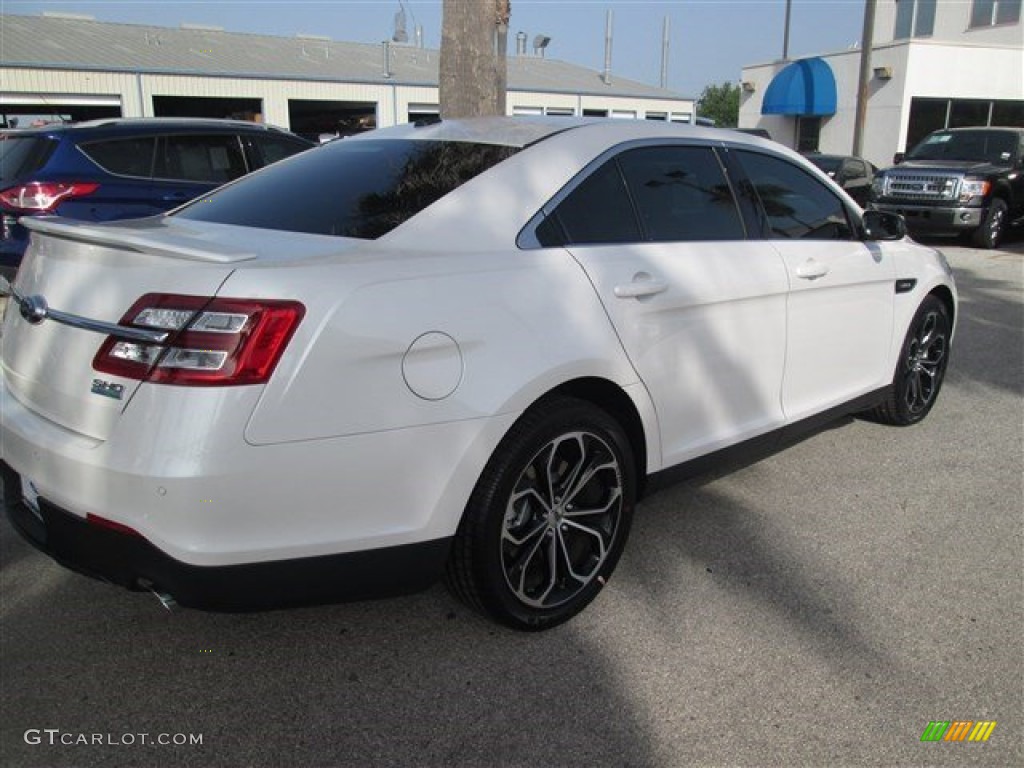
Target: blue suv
123, 169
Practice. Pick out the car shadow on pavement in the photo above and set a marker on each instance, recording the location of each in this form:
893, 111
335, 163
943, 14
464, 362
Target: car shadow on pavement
362, 684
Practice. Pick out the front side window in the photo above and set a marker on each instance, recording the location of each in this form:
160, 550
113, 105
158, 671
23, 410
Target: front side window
797, 205
681, 193
124, 157
215, 158
349, 188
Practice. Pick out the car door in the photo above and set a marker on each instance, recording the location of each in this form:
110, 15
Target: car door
841, 289
699, 309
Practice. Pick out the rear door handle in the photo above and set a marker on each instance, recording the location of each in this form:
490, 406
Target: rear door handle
643, 285
812, 269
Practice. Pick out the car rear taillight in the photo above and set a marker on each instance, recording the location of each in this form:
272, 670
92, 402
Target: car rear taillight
44, 196
212, 341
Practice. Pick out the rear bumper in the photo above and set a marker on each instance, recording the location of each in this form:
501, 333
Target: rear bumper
135, 563
935, 219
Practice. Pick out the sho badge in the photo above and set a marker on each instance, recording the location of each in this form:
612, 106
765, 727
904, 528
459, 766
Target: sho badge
107, 389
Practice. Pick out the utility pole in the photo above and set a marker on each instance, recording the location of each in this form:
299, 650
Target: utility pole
866, 42
785, 34
474, 38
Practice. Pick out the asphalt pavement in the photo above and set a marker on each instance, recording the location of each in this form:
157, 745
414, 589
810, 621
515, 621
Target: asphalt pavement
819, 607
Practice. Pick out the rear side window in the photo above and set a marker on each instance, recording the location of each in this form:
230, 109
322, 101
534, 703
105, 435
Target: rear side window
349, 188
23, 155
797, 205
597, 211
215, 158
270, 149
681, 193
124, 157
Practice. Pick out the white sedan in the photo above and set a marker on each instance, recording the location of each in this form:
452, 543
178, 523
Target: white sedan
457, 349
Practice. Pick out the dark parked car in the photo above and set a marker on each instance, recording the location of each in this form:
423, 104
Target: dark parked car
123, 168
958, 181
854, 174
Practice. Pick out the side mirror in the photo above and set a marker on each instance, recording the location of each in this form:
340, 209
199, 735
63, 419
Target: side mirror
898, 158
884, 225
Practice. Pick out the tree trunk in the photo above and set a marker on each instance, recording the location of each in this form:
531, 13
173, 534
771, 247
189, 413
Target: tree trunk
474, 36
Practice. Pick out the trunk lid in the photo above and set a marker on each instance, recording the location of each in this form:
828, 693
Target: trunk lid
96, 272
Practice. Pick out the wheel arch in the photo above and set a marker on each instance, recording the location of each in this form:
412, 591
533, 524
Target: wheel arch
614, 401
943, 294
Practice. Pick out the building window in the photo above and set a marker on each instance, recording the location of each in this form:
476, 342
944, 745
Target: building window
927, 115
988, 13
914, 18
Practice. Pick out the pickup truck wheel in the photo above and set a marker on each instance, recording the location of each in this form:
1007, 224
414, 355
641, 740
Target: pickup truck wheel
548, 519
990, 233
921, 367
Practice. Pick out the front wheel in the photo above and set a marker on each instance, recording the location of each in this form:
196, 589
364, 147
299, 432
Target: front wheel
990, 233
921, 367
548, 519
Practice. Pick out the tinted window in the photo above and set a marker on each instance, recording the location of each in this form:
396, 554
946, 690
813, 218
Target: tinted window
22, 155
215, 158
270, 149
125, 157
349, 188
681, 193
796, 204
599, 210
854, 169
827, 163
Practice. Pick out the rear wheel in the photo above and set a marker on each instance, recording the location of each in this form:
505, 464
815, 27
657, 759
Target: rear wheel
548, 518
921, 367
990, 233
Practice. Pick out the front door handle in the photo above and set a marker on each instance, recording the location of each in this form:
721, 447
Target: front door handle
812, 269
643, 285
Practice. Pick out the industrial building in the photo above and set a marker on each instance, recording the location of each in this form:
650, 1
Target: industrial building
60, 67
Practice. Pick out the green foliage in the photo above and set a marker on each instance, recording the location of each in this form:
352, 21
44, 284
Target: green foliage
721, 103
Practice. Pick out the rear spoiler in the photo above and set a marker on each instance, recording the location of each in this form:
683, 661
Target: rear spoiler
136, 237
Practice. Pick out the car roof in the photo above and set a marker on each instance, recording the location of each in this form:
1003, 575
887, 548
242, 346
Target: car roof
146, 125
962, 129
522, 131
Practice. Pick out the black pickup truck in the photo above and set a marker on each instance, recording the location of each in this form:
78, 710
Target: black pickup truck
967, 181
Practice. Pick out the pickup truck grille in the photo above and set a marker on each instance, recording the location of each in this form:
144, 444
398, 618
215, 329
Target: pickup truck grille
922, 186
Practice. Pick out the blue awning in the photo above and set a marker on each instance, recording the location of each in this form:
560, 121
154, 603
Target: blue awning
805, 87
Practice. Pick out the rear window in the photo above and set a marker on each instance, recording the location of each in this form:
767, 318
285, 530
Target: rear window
23, 155
361, 189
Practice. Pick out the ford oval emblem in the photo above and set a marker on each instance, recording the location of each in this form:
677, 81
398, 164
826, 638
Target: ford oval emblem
33, 309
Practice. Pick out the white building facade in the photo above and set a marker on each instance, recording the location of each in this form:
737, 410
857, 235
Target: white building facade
934, 64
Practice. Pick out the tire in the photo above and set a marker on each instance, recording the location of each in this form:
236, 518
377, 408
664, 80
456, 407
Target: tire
548, 518
990, 233
921, 367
